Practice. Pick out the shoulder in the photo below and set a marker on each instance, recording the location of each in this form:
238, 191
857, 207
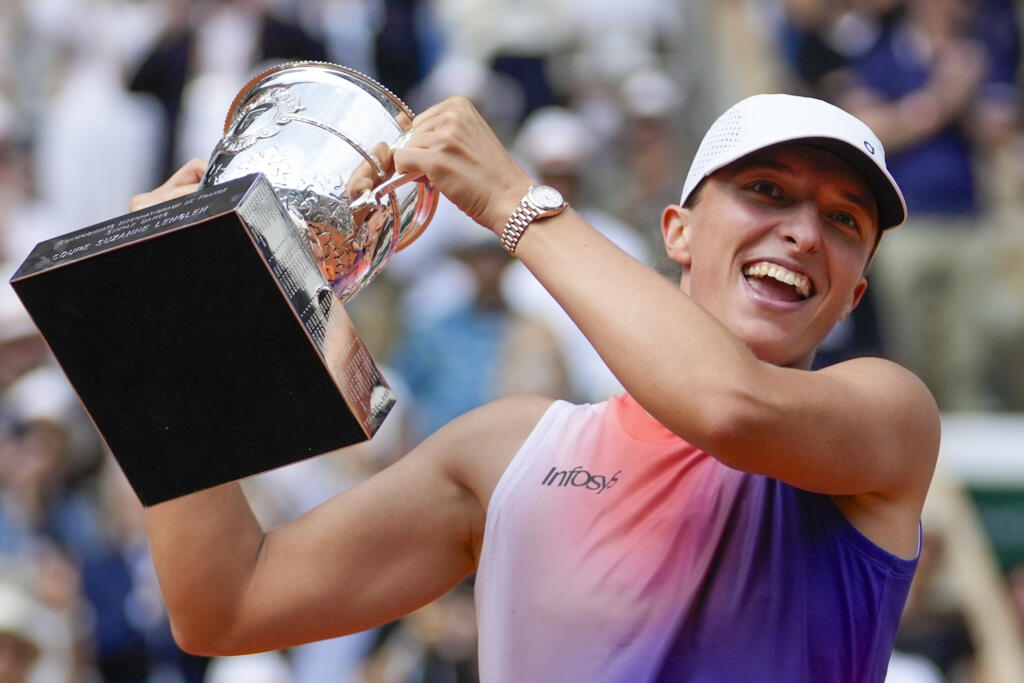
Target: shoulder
904, 433
476, 448
898, 395
488, 437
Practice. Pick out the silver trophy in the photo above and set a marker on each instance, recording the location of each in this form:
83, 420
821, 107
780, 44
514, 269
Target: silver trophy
206, 335
324, 136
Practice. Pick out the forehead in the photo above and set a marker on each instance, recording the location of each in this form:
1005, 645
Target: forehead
827, 170
798, 159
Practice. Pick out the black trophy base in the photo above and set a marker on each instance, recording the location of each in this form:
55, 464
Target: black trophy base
198, 342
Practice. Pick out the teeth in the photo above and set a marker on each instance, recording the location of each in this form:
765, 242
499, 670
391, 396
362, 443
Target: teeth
764, 269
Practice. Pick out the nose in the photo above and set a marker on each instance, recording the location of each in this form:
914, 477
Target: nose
802, 227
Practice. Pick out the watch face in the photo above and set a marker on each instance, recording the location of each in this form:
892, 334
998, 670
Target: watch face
546, 198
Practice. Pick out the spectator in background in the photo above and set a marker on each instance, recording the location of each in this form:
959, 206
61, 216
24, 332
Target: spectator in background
24, 220
650, 143
939, 89
434, 644
22, 349
399, 53
933, 626
819, 38
49, 448
938, 86
85, 114
47, 518
348, 27
19, 640
519, 40
482, 349
498, 97
223, 36
131, 637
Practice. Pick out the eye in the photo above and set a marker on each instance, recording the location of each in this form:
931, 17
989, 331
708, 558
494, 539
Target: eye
768, 189
846, 219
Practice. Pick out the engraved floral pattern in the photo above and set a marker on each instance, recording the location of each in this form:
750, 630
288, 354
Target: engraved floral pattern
260, 119
270, 161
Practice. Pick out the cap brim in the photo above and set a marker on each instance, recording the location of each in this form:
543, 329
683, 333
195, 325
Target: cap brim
892, 208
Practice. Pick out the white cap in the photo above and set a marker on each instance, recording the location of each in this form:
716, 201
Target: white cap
760, 121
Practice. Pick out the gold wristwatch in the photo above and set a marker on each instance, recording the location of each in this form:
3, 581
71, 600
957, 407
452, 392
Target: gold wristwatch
539, 202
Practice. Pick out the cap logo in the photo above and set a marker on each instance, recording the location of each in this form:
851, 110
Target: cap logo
869, 147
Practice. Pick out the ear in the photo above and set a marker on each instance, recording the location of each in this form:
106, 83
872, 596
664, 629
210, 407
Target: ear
675, 223
855, 297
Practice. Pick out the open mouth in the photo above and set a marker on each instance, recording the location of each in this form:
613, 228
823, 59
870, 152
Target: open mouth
777, 282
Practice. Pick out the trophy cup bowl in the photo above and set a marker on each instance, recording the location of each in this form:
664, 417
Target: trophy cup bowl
324, 136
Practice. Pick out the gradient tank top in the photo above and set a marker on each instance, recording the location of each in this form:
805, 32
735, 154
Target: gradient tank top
614, 551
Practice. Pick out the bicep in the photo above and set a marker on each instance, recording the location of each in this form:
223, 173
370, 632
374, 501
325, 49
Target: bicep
369, 555
857, 427
389, 545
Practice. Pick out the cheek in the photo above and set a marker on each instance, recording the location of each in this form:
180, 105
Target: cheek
847, 273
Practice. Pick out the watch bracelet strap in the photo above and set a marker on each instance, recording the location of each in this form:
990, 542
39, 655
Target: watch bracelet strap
517, 224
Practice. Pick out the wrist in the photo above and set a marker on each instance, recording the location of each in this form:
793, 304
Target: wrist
505, 203
538, 202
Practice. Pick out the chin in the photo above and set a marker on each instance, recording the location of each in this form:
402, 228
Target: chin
780, 351
775, 343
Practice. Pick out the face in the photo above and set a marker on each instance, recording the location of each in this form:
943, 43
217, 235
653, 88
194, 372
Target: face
775, 248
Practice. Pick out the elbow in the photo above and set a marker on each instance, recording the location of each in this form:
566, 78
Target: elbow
195, 642
731, 428
203, 637
190, 642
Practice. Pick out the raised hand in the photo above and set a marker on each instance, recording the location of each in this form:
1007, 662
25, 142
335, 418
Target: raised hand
184, 181
460, 155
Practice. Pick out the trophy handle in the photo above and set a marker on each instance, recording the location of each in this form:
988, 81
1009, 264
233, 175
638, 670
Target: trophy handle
426, 202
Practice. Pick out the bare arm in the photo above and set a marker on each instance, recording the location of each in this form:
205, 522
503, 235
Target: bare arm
365, 557
864, 427
368, 556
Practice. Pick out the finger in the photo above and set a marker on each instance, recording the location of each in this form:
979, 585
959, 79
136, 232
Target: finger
414, 160
445, 112
385, 156
191, 173
182, 182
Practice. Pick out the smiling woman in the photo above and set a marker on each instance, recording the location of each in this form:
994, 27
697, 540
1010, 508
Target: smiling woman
659, 535
777, 247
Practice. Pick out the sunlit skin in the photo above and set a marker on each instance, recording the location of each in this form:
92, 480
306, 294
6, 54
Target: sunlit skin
797, 206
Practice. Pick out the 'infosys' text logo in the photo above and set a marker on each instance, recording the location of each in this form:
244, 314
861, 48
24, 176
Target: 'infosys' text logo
580, 478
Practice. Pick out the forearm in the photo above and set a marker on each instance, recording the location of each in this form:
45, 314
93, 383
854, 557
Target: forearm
205, 549
677, 360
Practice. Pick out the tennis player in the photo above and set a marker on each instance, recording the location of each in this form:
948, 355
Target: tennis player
733, 516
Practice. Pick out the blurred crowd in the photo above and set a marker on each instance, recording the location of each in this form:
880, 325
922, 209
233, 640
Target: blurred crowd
102, 99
